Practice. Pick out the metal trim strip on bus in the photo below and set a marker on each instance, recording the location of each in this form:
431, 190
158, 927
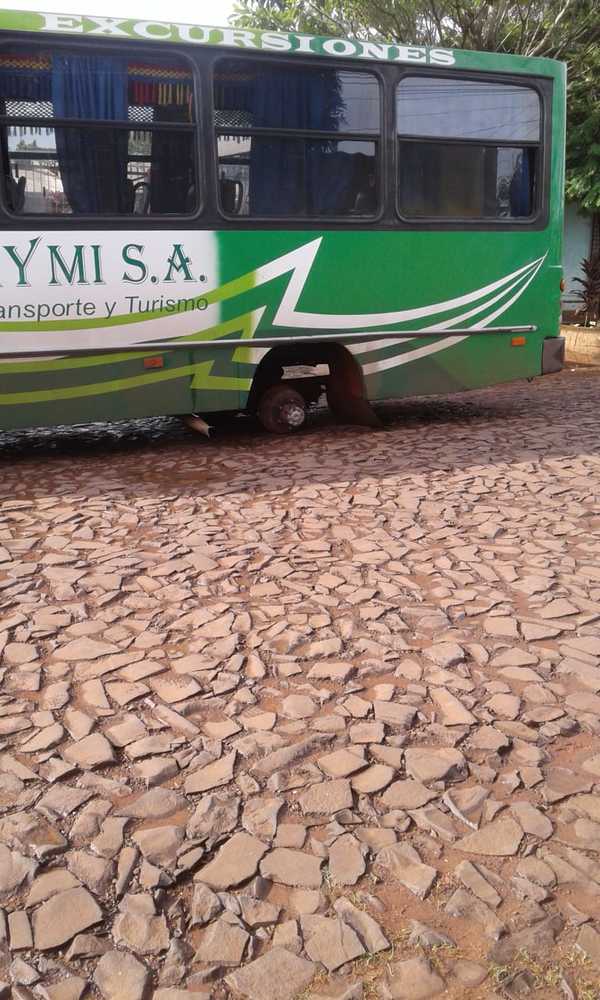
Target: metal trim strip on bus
165, 346
38, 121
299, 133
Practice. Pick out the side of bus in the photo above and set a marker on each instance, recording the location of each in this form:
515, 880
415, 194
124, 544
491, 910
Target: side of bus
191, 231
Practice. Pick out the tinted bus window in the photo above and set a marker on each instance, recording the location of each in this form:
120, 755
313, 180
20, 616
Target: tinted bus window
296, 142
467, 149
467, 109
97, 134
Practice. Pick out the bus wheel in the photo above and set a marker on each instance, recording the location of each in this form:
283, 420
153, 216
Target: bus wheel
281, 409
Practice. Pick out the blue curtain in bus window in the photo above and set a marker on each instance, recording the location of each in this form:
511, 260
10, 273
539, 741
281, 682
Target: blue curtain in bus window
281, 179
331, 179
298, 100
172, 172
93, 162
520, 187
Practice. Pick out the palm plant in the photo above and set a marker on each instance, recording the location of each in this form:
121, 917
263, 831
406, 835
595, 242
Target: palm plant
589, 294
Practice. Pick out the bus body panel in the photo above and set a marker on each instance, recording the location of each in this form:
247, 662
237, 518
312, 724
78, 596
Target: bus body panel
263, 284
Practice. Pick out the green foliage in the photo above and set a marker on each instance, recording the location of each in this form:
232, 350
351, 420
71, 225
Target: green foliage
557, 29
553, 28
583, 131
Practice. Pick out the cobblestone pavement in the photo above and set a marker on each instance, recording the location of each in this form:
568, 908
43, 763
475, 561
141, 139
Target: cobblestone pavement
315, 716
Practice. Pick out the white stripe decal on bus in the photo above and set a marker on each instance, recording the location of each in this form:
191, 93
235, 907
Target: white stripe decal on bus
441, 345
301, 261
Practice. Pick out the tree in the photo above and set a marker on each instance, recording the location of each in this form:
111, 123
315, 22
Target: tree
557, 29
553, 28
583, 136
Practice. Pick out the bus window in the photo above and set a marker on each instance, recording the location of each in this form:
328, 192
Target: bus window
467, 149
97, 134
295, 141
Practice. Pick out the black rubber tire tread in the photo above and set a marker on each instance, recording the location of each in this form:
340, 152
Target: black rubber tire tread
270, 404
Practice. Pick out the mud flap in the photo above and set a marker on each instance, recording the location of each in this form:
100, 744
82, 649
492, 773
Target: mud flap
553, 355
352, 409
346, 393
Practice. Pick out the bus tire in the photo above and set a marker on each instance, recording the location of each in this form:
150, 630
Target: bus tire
281, 409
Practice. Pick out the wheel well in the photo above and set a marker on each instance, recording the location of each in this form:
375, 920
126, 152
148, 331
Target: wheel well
344, 380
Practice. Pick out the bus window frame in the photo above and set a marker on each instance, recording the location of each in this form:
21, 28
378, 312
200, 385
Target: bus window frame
208, 215
544, 87
314, 222
100, 220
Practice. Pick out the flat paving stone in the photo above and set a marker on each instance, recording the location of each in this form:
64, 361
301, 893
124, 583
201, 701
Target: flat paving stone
212, 776
277, 975
333, 943
327, 797
444, 764
92, 751
373, 779
120, 976
413, 979
222, 944
63, 916
342, 763
502, 837
293, 868
234, 863
347, 860
407, 794
405, 866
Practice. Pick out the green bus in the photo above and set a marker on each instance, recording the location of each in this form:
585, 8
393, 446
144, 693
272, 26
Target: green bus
196, 220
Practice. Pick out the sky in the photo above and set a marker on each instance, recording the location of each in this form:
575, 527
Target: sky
186, 11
